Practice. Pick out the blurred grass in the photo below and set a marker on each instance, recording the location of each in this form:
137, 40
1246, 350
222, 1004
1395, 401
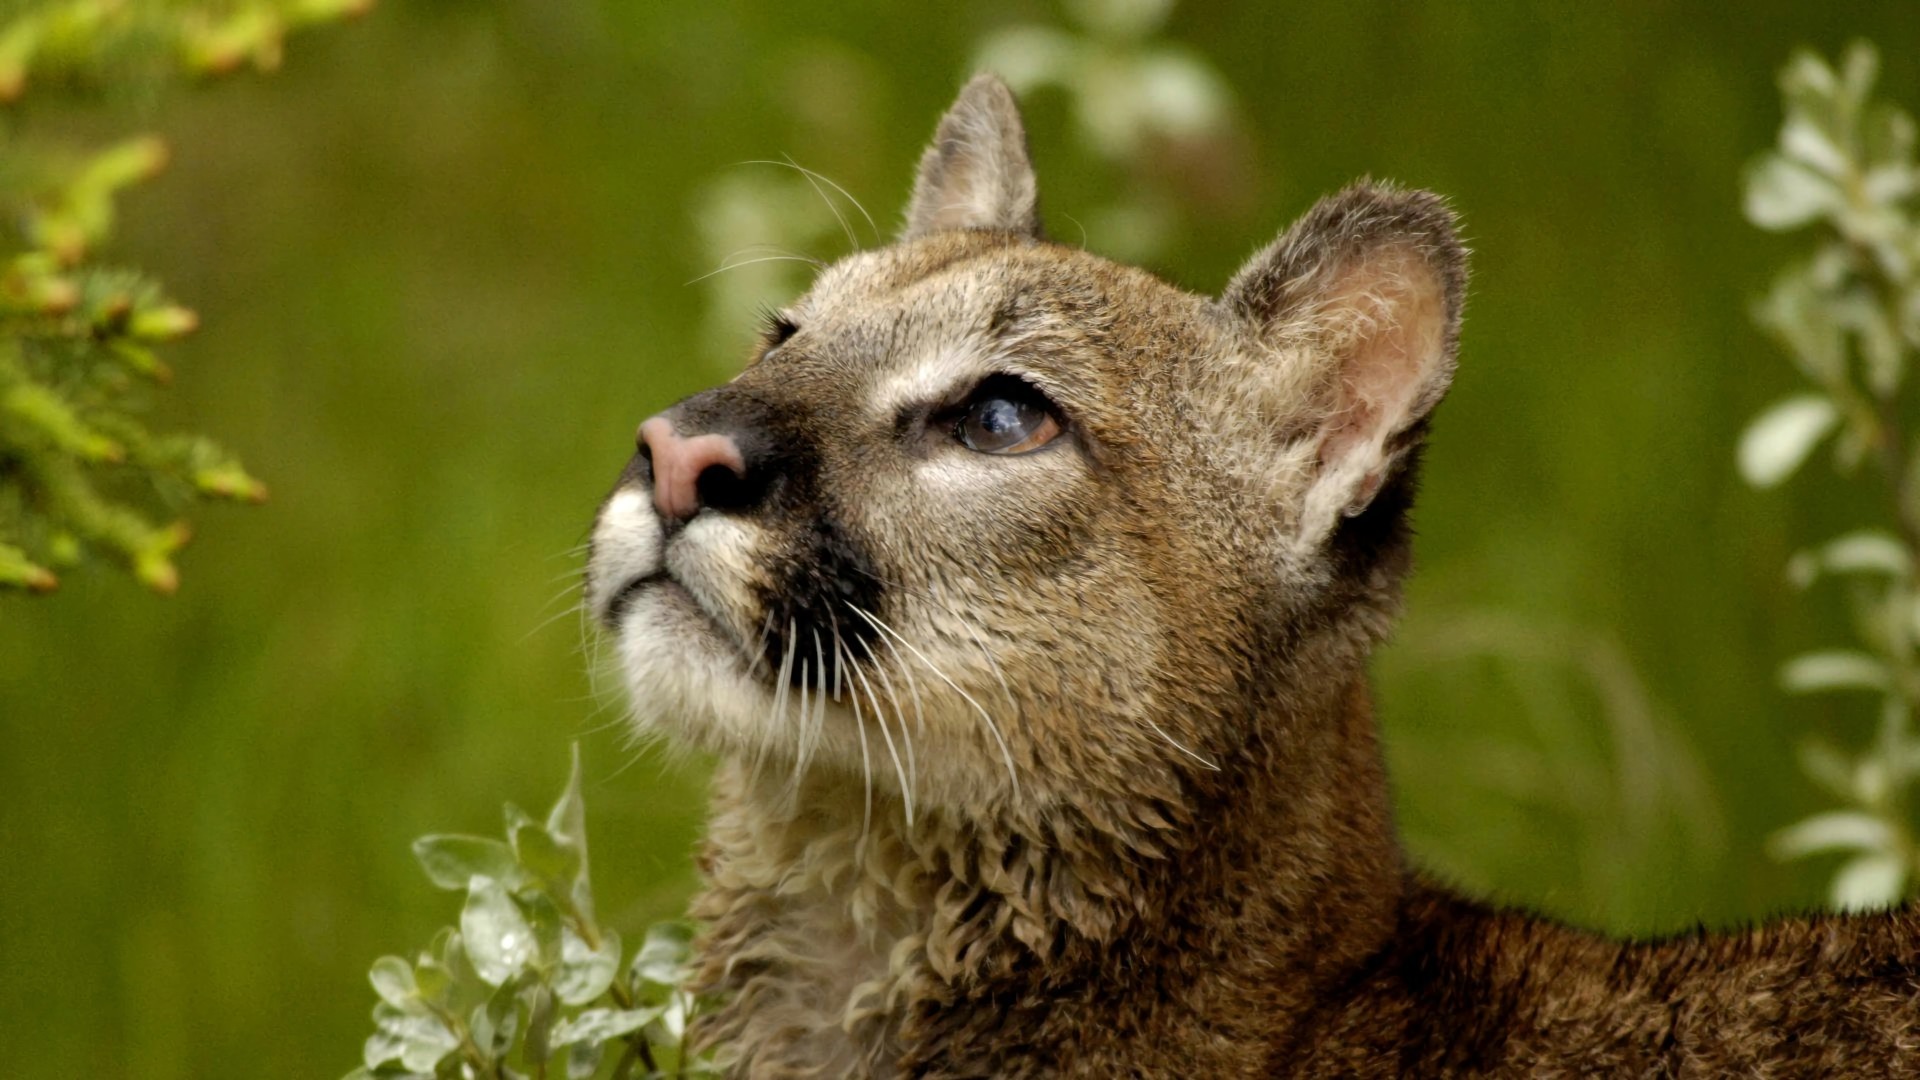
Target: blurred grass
441, 260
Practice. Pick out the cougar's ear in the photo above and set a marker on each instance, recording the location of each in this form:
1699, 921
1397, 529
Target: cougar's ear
976, 175
1366, 291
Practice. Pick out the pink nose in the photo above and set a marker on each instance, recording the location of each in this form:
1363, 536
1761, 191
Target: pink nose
678, 464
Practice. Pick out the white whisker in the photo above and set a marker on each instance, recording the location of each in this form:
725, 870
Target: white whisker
860, 728
1171, 742
823, 178
1013, 775
749, 262
879, 718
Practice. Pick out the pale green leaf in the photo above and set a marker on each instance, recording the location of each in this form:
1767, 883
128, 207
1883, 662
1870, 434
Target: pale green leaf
585, 972
670, 1027
1868, 551
1837, 830
1777, 441
452, 861
567, 821
1812, 145
419, 1040
599, 1025
498, 939
381, 1047
393, 980
568, 818
1870, 882
1834, 669
663, 955
496, 1021
1785, 194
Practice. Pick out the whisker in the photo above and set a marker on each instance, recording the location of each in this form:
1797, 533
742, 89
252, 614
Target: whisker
1007, 754
879, 718
751, 262
827, 180
1171, 742
551, 619
893, 695
860, 728
832, 207
800, 734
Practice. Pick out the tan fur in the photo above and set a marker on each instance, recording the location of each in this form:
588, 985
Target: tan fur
1063, 763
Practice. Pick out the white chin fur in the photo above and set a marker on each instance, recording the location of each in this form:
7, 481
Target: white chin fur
683, 678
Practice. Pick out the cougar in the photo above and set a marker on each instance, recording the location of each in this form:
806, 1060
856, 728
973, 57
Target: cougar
1026, 601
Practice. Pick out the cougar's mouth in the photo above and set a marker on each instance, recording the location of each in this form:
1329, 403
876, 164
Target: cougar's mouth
624, 597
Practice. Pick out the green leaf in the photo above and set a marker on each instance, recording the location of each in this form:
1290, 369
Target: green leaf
538, 1045
546, 922
599, 1025
585, 972
419, 1040
464, 986
1868, 551
1834, 669
1778, 440
1785, 194
567, 821
552, 859
494, 1022
393, 980
498, 939
381, 1047
1838, 830
568, 818
452, 861
1870, 882
664, 954
430, 980
583, 1059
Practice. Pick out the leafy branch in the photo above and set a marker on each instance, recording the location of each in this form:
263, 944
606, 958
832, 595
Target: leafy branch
78, 340
529, 975
1848, 316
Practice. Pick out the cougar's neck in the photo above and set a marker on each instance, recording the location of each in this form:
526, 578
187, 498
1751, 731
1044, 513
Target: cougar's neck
856, 939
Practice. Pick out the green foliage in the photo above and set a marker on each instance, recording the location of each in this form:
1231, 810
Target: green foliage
529, 983
78, 469
1849, 318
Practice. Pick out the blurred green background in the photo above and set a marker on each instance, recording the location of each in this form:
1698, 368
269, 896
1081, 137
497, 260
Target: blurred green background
446, 260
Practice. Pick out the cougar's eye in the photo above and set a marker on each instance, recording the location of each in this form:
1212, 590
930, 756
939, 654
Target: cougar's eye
1006, 415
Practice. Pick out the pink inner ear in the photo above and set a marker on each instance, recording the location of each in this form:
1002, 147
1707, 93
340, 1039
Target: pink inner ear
1385, 324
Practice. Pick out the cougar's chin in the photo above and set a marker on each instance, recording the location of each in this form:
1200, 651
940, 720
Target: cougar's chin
677, 628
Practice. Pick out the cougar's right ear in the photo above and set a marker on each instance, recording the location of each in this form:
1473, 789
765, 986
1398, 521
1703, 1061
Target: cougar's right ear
976, 175
1362, 296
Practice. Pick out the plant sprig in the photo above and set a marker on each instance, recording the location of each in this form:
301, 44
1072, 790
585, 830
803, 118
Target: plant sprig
529, 983
79, 471
1848, 316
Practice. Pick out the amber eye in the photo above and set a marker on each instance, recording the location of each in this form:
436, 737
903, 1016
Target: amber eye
1006, 416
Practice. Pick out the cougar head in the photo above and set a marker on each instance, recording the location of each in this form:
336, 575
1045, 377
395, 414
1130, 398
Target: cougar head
990, 520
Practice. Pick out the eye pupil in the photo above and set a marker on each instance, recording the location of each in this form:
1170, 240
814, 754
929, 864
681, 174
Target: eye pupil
1000, 417
1006, 419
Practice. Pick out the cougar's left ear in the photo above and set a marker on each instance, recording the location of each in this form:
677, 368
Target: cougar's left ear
1367, 287
976, 175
